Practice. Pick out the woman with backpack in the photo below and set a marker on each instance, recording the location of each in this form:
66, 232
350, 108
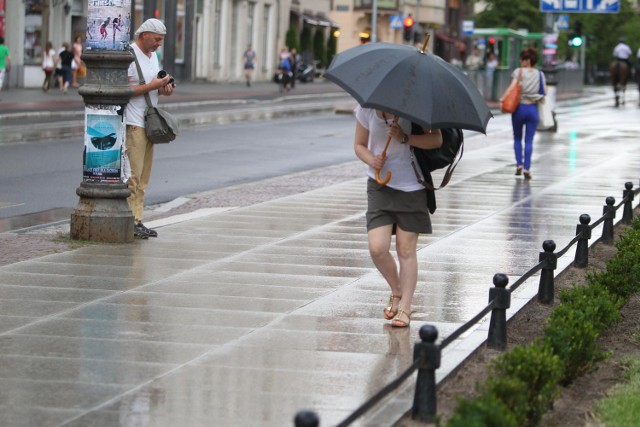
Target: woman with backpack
400, 207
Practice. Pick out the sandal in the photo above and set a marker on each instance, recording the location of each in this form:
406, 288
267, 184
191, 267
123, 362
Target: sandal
518, 170
527, 175
402, 319
389, 311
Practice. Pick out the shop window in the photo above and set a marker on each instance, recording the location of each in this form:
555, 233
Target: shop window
33, 31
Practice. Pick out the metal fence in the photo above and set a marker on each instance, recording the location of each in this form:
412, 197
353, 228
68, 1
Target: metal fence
427, 354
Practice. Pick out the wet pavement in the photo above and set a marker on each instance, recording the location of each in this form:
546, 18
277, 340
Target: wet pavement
245, 316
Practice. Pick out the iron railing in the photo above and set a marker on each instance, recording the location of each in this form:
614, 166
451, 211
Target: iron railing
427, 354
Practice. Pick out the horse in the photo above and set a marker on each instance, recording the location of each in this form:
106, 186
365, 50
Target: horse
619, 71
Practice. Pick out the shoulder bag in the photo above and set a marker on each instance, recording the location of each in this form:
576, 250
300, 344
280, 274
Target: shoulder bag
160, 126
511, 98
544, 109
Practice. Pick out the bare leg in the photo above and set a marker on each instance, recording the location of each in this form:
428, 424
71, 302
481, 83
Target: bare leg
379, 248
406, 244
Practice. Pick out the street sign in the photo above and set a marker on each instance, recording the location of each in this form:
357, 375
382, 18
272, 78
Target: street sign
467, 27
580, 6
395, 22
562, 22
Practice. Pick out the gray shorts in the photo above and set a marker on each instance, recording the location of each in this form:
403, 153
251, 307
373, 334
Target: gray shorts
407, 210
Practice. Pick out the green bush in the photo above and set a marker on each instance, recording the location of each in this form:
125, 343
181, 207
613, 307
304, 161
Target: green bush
512, 392
536, 366
600, 306
292, 39
483, 411
319, 51
572, 336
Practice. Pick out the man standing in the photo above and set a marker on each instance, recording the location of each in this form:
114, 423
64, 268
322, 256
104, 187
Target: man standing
149, 37
5, 61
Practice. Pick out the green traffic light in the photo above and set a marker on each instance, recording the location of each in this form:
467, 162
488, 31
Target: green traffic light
576, 41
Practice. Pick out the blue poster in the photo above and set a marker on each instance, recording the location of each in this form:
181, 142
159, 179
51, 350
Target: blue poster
103, 145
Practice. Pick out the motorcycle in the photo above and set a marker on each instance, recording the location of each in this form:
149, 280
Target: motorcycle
306, 72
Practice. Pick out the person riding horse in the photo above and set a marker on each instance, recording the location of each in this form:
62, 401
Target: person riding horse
619, 69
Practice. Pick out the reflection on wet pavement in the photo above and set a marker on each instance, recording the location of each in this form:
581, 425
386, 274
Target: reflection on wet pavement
249, 315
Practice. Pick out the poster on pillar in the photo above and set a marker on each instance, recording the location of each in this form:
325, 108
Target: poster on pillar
108, 25
103, 144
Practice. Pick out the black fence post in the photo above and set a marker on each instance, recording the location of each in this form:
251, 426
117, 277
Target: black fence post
627, 212
306, 419
582, 248
498, 324
424, 398
545, 288
609, 212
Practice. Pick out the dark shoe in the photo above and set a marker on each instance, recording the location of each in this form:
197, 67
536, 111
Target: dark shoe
139, 232
527, 175
519, 170
150, 232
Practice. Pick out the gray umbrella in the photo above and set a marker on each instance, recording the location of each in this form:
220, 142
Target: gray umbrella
411, 83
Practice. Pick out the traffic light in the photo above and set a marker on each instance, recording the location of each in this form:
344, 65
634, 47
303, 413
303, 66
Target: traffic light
408, 28
576, 40
492, 45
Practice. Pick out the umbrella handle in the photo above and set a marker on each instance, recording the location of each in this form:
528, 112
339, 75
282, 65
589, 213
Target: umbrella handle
384, 154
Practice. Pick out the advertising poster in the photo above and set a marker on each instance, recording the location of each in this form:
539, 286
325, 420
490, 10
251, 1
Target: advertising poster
108, 24
103, 144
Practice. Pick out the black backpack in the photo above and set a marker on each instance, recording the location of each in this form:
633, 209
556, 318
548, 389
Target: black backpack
448, 155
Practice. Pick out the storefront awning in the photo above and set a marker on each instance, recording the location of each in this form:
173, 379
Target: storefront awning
318, 20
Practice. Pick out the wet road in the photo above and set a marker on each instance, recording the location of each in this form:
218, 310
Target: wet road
246, 316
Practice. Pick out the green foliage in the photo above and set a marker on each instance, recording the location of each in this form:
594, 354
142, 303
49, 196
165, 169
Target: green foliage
595, 301
572, 336
513, 393
305, 39
483, 411
622, 276
292, 39
332, 47
536, 366
319, 51
514, 14
622, 406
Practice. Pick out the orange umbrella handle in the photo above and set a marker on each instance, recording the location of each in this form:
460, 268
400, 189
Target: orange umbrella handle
384, 155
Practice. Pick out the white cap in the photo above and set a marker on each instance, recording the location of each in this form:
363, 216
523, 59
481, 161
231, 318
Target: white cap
152, 26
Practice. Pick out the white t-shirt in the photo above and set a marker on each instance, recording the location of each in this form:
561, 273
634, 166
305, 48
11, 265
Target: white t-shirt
137, 106
622, 51
398, 155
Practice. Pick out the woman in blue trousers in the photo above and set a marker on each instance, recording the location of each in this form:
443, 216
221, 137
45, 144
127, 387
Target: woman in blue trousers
534, 87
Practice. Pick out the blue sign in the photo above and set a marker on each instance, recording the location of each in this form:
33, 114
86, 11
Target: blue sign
562, 22
395, 22
580, 6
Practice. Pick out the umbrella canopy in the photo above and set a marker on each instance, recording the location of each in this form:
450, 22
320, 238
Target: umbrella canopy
411, 83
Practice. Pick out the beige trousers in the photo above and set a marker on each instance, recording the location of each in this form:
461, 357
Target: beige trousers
140, 153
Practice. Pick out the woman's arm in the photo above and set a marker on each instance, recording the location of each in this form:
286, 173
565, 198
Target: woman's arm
361, 148
511, 86
432, 138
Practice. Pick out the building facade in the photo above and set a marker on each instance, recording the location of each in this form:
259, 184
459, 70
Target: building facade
206, 39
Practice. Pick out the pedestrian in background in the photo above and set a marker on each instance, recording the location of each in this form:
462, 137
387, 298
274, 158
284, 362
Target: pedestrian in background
65, 59
489, 70
139, 150
5, 61
399, 208
249, 63
48, 65
294, 66
77, 61
526, 115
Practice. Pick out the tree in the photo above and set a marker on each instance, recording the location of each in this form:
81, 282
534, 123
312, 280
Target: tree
319, 51
305, 39
332, 46
292, 39
514, 14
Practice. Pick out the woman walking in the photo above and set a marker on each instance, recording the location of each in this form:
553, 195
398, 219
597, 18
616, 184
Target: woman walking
399, 208
534, 88
48, 65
